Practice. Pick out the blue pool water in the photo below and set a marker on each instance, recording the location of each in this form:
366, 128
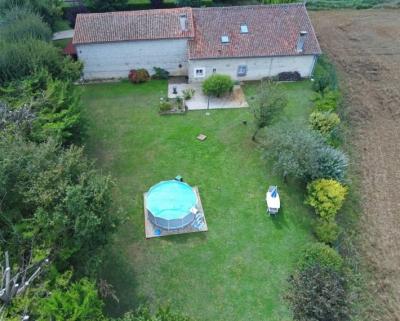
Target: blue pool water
171, 200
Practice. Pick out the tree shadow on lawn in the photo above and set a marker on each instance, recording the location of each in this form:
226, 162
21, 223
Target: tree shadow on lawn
117, 271
279, 219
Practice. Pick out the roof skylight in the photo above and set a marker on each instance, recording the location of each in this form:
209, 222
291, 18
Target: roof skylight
225, 39
244, 28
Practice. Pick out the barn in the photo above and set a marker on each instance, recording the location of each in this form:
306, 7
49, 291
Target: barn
245, 42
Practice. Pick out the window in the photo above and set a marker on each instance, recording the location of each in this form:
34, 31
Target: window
214, 70
199, 72
225, 39
244, 28
242, 71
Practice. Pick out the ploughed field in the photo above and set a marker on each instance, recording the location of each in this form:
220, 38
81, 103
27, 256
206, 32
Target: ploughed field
365, 46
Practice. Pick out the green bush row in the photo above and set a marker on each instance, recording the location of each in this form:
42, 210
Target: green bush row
318, 289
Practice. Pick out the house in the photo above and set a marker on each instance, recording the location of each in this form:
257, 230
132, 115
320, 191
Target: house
245, 42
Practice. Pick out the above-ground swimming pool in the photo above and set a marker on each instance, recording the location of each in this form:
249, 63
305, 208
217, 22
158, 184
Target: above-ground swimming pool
170, 203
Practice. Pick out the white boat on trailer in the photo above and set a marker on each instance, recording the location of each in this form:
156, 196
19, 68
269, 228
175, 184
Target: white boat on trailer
273, 200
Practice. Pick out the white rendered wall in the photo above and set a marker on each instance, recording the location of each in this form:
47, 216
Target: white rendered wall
257, 68
115, 59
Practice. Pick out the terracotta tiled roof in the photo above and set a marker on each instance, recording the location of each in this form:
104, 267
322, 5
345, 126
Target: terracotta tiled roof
132, 25
273, 30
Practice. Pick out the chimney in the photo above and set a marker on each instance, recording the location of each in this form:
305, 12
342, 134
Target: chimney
183, 21
300, 41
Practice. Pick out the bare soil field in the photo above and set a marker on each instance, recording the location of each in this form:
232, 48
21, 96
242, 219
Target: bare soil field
365, 46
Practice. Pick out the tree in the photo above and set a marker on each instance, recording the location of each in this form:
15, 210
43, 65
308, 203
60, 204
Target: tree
56, 197
77, 302
55, 104
15, 282
106, 5
217, 85
49, 10
326, 196
20, 23
303, 153
24, 58
156, 4
269, 103
319, 293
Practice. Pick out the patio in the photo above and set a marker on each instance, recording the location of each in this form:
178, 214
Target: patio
199, 101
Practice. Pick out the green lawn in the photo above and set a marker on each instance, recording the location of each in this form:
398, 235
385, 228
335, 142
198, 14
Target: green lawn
238, 269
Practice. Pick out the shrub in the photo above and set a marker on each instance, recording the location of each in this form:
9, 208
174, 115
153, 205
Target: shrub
217, 85
326, 196
165, 105
327, 101
79, 301
326, 231
188, 93
289, 76
24, 58
324, 75
144, 314
20, 119
137, 76
303, 153
319, 293
55, 103
321, 254
179, 102
324, 122
160, 73
49, 10
19, 23
330, 163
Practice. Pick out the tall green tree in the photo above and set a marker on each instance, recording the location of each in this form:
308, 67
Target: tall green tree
55, 198
21, 23
55, 103
24, 58
49, 10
